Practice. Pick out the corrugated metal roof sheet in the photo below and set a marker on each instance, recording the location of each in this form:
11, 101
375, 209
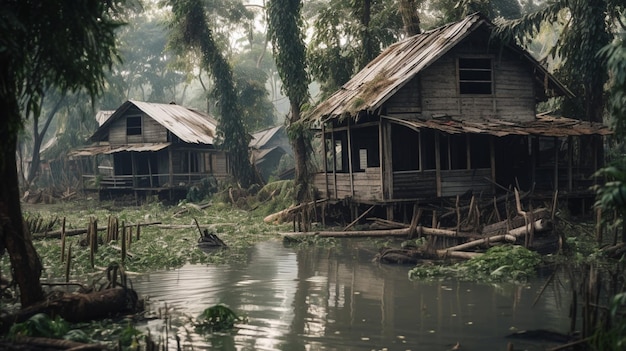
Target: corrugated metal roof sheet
260, 138
189, 125
398, 64
543, 125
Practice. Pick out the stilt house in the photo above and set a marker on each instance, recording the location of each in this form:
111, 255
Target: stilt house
448, 112
149, 148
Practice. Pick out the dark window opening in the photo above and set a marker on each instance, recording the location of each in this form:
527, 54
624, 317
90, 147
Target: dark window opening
133, 125
365, 149
480, 152
475, 76
405, 148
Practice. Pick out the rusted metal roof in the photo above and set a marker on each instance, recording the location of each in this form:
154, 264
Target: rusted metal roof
191, 126
400, 62
260, 138
107, 149
543, 125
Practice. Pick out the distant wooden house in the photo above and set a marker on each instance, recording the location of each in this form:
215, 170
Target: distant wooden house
448, 112
267, 148
148, 147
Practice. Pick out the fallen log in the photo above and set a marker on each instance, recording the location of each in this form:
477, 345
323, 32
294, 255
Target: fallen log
35, 343
377, 233
458, 254
80, 307
474, 243
539, 225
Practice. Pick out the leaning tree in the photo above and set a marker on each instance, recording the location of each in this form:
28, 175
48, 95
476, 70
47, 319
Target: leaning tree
67, 44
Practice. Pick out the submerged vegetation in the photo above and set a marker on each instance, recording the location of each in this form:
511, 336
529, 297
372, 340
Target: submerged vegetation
499, 263
171, 243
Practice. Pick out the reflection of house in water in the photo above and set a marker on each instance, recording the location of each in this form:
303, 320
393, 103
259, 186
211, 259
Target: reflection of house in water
448, 112
267, 149
144, 148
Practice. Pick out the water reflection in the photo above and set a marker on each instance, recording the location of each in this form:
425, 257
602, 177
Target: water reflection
337, 299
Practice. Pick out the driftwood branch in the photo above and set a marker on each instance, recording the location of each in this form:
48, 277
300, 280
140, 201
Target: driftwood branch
280, 216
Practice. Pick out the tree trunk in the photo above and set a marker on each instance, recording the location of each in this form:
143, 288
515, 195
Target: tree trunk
25, 263
33, 169
410, 19
302, 181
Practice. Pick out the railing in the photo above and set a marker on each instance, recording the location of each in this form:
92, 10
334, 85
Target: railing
145, 181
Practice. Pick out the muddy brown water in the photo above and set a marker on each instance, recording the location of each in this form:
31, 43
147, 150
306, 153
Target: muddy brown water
338, 299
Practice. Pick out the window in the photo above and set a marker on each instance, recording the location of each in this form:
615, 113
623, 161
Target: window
133, 125
475, 76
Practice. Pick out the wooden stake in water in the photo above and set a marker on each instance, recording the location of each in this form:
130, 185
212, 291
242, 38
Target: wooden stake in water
68, 263
123, 240
63, 241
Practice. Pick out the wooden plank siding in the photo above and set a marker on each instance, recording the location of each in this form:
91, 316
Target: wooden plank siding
414, 184
406, 100
513, 95
367, 185
458, 181
151, 132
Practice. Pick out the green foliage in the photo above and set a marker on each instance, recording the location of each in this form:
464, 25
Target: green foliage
612, 194
191, 32
342, 43
285, 31
40, 325
218, 318
203, 190
613, 338
586, 26
615, 56
499, 263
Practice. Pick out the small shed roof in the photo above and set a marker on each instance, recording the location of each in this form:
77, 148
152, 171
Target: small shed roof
400, 62
191, 126
543, 125
261, 138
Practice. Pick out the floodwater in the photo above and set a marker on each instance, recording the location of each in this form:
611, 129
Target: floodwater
338, 299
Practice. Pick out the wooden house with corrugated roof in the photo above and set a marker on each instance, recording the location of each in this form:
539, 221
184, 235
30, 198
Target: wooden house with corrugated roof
146, 147
447, 112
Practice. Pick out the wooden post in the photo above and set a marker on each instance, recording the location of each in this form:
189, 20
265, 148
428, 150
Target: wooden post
438, 163
468, 152
171, 167
150, 169
332, 138
325, 158
386, 161
556, 163
492, 158
133, 169
570, 161
63, 240
350, 167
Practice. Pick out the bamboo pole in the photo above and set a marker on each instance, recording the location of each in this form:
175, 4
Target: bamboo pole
359, 218
474, 243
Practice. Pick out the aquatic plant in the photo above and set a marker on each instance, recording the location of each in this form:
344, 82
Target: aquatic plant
40, 325
499, 263
218, 318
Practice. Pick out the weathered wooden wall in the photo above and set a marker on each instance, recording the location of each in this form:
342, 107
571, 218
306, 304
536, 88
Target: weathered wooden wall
151, 132
367, 185
513, 98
